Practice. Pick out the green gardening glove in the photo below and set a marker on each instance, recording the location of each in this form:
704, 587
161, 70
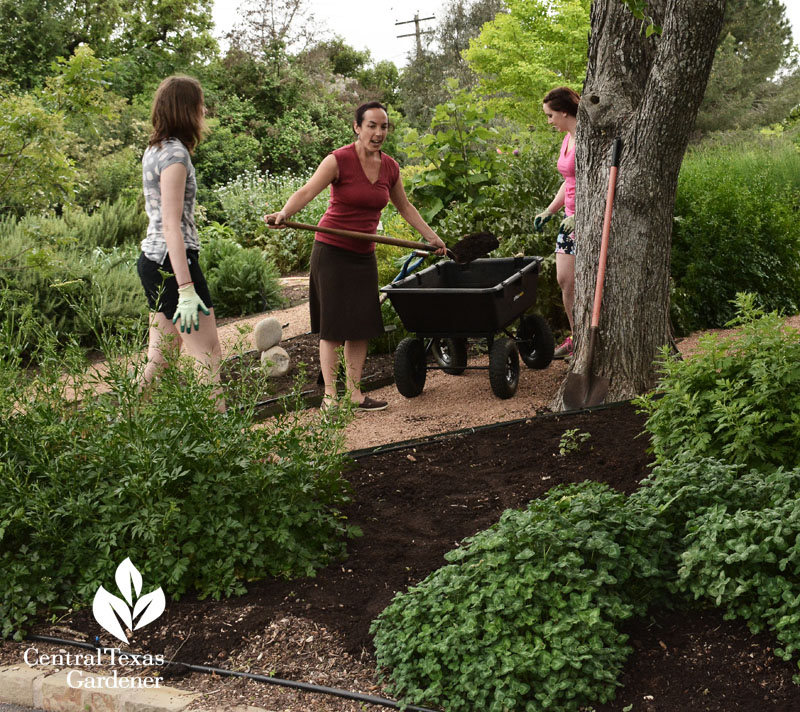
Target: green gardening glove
540, 220
188, 306
567, 225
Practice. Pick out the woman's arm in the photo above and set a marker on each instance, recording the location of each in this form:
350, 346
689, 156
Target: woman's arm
400, 201
326, 173
558, 201
173, 186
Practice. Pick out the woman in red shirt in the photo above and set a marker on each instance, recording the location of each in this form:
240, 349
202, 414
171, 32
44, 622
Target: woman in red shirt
344, 304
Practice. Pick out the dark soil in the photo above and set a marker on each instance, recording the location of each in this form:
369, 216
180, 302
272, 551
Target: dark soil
416, 503
472, 247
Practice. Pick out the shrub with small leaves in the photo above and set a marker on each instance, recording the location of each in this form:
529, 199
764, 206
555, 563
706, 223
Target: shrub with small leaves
736, 399
242, 280
246, 199
525, 616
734, 540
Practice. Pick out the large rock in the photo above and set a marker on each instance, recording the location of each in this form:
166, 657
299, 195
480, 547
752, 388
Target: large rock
268, 333
275, 361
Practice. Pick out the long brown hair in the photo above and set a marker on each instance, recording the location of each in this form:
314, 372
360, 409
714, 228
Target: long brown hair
178, 112
563, 99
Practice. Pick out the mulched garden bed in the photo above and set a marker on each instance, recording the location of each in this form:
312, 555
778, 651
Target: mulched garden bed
416, 503
303, 353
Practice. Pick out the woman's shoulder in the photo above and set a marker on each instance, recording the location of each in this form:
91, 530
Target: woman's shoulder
171, 150
348, 150
387, 159
391, 166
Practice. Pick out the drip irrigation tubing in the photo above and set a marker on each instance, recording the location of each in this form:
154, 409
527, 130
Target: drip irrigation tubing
414, 442
303, 686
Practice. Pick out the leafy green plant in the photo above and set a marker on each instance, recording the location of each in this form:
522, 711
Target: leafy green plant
571, 441
737, 398
734, 540
70, 288
242, 280
250, 196
93, 472
460, 150
525, 614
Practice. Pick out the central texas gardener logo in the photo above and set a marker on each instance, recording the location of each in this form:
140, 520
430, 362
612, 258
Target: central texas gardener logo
109, 609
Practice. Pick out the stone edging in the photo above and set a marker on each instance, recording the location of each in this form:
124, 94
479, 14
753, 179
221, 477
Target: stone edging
46, 687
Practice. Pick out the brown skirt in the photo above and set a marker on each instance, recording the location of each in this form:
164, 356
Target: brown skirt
343, 294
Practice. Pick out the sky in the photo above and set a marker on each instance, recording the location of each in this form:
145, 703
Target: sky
371, 25
362, 25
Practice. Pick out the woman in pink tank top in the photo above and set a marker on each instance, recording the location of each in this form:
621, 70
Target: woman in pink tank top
561, 108
343, 288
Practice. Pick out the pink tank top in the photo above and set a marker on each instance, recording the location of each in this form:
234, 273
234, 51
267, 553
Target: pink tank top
566, 167
355, 202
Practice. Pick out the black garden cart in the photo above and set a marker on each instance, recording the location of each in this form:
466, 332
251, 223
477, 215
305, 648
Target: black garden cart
449, 303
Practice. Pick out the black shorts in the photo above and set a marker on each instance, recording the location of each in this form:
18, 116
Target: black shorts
161, 287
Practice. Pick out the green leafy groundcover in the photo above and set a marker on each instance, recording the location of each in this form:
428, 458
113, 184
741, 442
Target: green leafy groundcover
197, 499
737, 399
526, 614
735, 540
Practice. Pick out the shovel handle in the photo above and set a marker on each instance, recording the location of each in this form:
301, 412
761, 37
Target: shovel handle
362, 236
601, 266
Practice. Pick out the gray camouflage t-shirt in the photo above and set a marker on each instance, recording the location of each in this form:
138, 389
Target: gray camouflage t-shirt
155, 160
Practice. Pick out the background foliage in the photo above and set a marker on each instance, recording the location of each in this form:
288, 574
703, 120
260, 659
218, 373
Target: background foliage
735, 230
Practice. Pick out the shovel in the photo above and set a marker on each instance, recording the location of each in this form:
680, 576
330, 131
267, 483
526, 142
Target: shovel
469, 248
584, 389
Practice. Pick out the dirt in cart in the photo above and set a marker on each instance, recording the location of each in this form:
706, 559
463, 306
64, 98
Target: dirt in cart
413, 505
475, 246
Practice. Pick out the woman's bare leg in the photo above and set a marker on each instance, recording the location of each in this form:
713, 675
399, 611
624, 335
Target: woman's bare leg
565, 274
165, 342
163, 345
203, 345
329, 362
355, 354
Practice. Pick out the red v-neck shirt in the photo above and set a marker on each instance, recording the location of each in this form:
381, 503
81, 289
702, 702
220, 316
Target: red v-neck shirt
356, 203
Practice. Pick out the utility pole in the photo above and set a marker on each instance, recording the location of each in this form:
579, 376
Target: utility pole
417, 32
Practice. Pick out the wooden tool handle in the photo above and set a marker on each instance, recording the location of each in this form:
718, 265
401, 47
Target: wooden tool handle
362, 236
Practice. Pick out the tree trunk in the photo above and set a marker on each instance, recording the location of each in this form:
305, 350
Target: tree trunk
647, 92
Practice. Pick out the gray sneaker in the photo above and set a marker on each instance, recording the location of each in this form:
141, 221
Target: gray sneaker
565, 350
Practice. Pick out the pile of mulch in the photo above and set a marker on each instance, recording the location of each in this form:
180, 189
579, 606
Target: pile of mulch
414, 504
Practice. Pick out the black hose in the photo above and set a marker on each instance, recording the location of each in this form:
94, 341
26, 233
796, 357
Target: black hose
304, 686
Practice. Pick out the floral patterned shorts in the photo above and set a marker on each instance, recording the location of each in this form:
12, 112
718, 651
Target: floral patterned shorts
565, 244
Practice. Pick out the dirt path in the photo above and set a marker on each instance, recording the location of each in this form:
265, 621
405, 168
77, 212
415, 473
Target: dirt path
448, 402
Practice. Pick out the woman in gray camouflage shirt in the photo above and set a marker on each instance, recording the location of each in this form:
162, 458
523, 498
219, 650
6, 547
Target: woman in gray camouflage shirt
175, 287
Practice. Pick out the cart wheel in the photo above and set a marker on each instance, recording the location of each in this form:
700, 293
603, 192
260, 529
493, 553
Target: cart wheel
535, 341
410, 367
451, 355
504, 367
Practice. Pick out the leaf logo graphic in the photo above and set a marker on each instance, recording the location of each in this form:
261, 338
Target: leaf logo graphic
109, 610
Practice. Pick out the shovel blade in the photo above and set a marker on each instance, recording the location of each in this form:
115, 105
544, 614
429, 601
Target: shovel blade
583, 390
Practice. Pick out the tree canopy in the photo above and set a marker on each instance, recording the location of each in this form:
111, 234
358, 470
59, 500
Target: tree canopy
525, 52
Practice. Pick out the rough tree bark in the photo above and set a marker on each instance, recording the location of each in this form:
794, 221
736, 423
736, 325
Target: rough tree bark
647, 92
